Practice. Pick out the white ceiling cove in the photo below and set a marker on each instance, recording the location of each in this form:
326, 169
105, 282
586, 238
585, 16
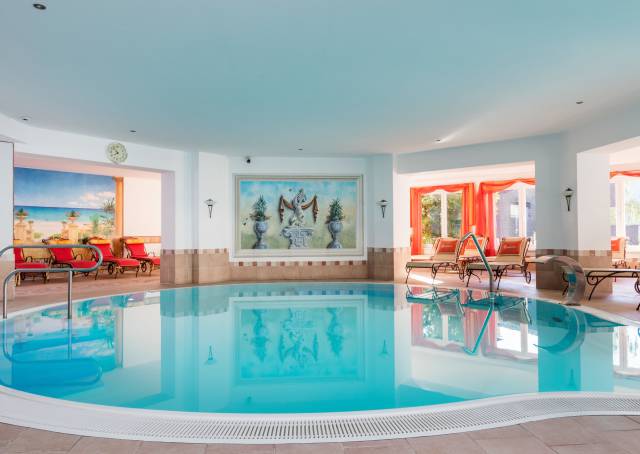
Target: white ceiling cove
331, 77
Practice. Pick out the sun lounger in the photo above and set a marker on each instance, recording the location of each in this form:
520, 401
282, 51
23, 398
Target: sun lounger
511, 254
445, 256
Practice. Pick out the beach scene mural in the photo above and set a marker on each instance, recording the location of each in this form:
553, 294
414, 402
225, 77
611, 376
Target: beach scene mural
67, 205
298, 216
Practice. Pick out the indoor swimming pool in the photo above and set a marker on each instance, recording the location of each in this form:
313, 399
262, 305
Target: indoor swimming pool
312, 348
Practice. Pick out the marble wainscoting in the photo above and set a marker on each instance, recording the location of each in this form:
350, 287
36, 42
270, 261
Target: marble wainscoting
194, 266
388, 264
549, 276
7, 266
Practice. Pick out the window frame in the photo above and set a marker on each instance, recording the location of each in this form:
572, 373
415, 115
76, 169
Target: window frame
621, 224
521, 188
444, 214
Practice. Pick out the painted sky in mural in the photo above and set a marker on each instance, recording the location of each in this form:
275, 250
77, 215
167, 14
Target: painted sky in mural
71, 205
346, 190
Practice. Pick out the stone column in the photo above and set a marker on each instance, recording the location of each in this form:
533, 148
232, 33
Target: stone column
6, 210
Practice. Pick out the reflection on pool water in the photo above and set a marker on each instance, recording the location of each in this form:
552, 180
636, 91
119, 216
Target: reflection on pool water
274, 348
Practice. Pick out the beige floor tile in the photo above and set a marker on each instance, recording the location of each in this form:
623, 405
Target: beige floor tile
628, 440
562, 431
398, 442
520, 445
89, 445
30, 440
592, 448
240, 449
500, 432
318, 448
380, 450
606, 423
148, 447
8, 433
445, 444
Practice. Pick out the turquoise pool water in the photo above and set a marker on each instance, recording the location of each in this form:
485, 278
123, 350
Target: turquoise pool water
326, 347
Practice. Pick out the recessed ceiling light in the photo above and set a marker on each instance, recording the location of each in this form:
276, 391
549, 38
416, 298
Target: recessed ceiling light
25, 118
579, 102
40, 6
300, 149
133, 131
438, 140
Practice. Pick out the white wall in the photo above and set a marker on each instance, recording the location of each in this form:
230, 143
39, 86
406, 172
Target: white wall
142, 206
6, 203
212, 181
553, 172
175, 165
593, 204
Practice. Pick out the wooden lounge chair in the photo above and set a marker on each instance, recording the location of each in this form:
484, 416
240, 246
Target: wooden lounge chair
619, 252
26, 262
65, 257
115, 265
511, 254
136, 250
445, 256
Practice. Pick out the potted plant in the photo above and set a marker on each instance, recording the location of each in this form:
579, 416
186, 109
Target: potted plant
260, 224
21, 214
334, 223
73, 215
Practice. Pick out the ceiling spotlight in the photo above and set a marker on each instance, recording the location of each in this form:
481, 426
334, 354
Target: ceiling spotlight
300, 149
579, 102
40, 6
438, 140
132, 131
25, 119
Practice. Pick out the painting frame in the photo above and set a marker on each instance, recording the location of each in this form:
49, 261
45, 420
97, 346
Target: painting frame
356, 251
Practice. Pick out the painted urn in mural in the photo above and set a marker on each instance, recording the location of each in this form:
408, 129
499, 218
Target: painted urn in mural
260, 224
334, 223
21, 214
72, 216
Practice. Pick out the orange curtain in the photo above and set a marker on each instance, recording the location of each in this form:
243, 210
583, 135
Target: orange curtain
627, 173
484, 207
468, 210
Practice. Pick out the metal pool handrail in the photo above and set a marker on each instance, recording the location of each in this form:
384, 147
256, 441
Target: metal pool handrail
69, 270
483, 257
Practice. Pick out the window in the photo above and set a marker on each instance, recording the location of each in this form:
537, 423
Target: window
515, 212
441, 216
625, 210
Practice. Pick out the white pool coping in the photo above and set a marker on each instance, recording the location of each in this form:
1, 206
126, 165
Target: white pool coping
64, 416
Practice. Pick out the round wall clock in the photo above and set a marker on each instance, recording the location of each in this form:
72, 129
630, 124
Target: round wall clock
116, 152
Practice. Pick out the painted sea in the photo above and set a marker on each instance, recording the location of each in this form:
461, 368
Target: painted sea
47, 221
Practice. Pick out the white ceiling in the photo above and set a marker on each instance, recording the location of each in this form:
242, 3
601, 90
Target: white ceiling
332, 77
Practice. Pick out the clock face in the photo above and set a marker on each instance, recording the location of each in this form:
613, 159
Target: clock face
116, 152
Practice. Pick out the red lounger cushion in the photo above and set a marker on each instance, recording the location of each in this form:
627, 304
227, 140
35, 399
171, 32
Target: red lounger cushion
616, 245
62, 255
510, 247
80, 263
124, 262
107, 256
447, 246
137, 249
30, 265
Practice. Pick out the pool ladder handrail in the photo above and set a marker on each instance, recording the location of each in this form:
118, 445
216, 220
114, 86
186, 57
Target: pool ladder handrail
69, 270
483, 257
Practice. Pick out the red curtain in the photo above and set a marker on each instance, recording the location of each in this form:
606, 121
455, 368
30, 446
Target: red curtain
627, 173
484, 207
468, 210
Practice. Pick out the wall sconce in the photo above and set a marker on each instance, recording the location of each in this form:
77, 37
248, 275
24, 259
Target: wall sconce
568, 193
210, 203
383, 206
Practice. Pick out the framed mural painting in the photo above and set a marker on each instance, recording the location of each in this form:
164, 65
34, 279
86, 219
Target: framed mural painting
294, 216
